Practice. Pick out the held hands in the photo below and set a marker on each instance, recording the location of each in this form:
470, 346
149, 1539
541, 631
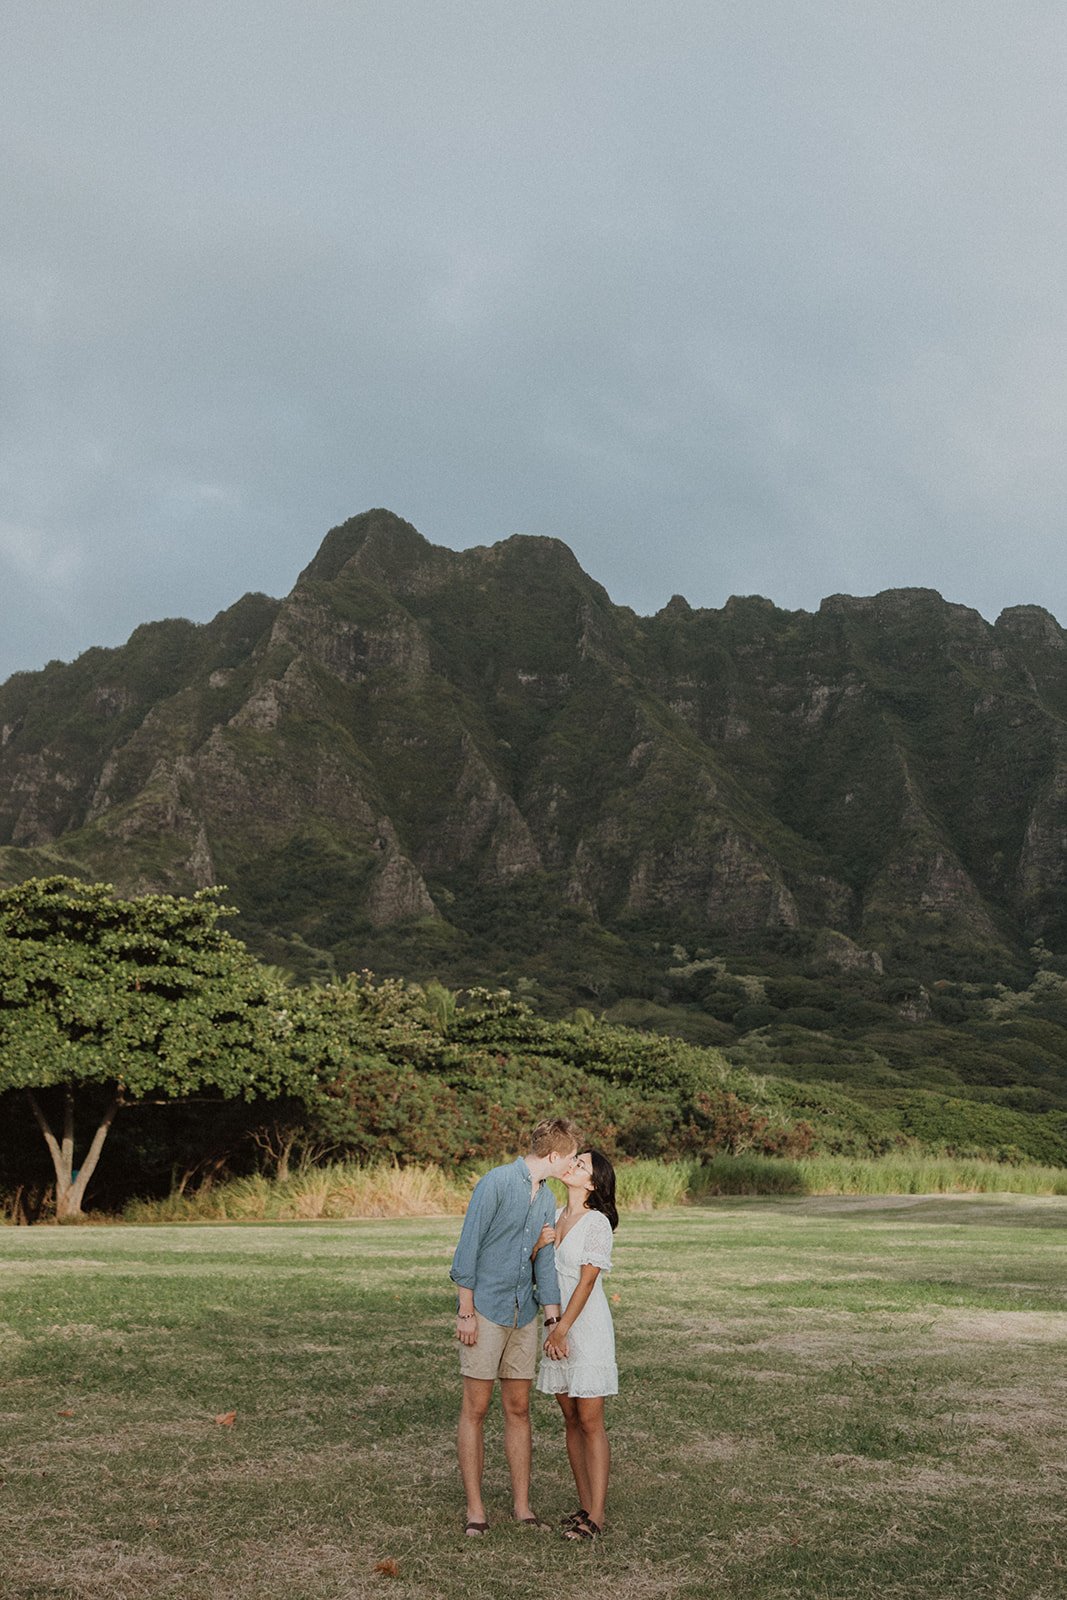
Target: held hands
555, 1346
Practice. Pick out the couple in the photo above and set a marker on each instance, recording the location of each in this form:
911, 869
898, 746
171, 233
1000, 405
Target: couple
517, 1251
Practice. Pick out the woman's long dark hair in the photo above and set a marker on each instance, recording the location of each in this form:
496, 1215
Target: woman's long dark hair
601, 1196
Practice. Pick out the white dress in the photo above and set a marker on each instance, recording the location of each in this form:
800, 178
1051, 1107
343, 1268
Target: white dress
590, 1368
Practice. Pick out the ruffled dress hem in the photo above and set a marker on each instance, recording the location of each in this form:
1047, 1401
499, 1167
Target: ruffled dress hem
585, 1382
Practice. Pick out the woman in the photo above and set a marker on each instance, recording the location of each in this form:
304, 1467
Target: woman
579, 1366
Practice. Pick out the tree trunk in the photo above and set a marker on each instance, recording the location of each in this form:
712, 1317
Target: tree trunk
71, 1185
277, 1140
285, 1156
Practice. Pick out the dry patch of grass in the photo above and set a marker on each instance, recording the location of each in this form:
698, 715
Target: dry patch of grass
1002, 1327
103, 1570
260, 1569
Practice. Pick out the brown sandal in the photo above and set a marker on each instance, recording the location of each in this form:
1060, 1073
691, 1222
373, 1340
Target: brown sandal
534, 1522
475, 1530
586, 1529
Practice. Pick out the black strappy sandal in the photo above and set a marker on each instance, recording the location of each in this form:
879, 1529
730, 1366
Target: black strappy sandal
574, 1517
586, 1529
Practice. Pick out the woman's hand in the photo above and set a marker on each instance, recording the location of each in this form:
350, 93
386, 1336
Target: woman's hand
546, 1236
555, 1346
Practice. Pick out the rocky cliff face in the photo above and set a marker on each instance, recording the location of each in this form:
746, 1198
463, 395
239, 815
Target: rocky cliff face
414, 733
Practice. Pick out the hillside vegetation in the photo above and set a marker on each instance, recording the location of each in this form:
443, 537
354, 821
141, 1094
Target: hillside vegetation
832, 845
140, 1035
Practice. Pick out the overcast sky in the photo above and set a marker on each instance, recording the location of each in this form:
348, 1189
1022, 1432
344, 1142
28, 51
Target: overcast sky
734, 296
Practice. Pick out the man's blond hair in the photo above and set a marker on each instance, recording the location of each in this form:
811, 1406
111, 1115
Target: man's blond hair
555, 1133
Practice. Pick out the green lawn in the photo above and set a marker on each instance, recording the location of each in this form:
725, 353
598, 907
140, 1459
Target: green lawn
827, 1399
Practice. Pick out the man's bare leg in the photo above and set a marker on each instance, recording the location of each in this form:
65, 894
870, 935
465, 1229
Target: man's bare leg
518, 1439
470, 1439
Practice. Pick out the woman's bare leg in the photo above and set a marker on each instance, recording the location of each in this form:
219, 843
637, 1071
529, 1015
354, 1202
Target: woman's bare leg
575, 1447
596, 1455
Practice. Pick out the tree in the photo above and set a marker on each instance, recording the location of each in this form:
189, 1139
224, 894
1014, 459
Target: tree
105, 1002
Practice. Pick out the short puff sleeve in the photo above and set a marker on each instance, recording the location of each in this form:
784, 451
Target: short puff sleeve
596, 1242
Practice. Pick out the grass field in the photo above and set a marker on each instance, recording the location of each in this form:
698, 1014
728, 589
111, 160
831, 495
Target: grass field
826, 1399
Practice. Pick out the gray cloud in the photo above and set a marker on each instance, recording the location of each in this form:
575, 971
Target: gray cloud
732, 298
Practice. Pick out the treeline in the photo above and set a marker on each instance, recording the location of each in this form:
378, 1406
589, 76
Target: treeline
144, 1051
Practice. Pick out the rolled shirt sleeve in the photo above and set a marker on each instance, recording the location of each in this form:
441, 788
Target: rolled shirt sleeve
480, 1213
545, 1279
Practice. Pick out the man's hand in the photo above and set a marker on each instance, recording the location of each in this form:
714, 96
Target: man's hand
467, 1328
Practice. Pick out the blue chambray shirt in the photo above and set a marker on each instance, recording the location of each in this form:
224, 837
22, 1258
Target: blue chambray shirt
493, 1253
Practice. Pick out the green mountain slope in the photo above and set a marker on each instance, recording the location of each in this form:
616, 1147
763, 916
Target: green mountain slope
819, 840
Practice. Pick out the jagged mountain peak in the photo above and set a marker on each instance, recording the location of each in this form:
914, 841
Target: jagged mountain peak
546, 564
900, 601
1032, 624
378, 535
677, 606
536, 547
380, 547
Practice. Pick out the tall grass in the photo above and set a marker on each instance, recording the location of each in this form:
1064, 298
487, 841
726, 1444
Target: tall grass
344, 1189
892, 1174
920, 1174
647, 1185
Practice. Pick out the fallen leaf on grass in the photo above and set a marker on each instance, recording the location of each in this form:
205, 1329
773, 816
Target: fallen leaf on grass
388, 1568
226, 1419
615, 1299
64, 1413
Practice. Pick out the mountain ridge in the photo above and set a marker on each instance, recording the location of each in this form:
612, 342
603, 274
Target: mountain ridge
420, 728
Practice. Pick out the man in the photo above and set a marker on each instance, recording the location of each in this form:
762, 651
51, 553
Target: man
496, 1324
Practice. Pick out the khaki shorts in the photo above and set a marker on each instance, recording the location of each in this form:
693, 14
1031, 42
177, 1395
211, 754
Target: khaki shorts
500, 1352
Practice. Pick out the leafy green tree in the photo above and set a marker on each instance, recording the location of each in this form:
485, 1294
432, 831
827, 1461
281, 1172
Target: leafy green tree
105, 1002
